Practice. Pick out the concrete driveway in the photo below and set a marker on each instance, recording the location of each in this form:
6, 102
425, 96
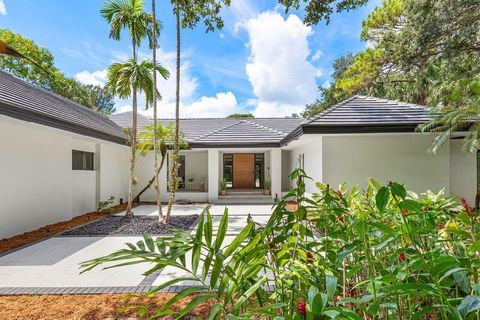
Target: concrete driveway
52, 266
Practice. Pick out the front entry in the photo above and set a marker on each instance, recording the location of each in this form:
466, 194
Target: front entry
243, 170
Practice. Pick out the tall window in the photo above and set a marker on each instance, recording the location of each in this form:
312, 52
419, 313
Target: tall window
259, 170
228, 169
82, 160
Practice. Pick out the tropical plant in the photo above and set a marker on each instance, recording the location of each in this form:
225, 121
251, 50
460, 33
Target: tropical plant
379, 253
223, 184
187, 14
125, 79
165, 136
106, 206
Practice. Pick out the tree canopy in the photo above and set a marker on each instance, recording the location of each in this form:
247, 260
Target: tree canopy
241, 115
48, 76
419, 51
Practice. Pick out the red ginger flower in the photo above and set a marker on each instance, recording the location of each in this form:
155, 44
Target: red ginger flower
309, 257
341, 219
302, 308
466, 206
340, 194
402, 256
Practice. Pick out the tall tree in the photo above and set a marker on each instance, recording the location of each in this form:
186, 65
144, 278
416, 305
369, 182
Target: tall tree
156, 167
330, 95
187, 14
28, 61
129, 14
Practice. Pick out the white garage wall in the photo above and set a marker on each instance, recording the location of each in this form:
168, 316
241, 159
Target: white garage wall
463, 172
387, 157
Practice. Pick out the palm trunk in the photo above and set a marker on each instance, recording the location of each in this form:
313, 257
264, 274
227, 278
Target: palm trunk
133, 144
155, 137
173, 185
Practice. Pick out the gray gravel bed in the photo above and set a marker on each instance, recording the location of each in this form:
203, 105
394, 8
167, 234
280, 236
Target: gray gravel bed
136, 226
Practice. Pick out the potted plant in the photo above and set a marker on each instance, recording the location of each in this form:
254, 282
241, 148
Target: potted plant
266, 187
223, 187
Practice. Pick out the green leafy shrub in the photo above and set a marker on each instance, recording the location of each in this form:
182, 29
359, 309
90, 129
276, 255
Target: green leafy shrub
106, 206
379, 253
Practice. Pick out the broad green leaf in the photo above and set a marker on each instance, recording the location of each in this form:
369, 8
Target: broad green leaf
451, 271
214, 311
222, 230
410, 205
208, 229
149, 241
238, 240
398, 190
195, 302
331, 286
217, 268
197, 246
248, 293
468, 305
381, 199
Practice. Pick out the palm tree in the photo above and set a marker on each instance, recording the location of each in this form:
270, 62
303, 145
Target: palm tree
156, 168
125, 79
165, 135
129, 14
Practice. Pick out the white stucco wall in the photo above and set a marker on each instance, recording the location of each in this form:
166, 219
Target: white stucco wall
112, 165
387, 157
311, 148
463, 172
37, 183
196, 166
286, 167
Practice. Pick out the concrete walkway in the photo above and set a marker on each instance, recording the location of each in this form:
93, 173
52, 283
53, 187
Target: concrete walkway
52, 266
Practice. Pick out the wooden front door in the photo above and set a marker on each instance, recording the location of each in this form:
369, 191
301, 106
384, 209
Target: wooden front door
243, 171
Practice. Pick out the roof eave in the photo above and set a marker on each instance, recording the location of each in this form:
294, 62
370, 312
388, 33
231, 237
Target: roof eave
29, 116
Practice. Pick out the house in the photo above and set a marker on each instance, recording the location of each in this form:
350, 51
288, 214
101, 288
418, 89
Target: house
59, 158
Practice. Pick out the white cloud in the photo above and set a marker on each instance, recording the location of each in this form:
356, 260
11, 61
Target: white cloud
318, 54
219, 105
96, 78
283, 79
3, 8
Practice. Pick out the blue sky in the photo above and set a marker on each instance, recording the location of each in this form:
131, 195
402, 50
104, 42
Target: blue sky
263, 61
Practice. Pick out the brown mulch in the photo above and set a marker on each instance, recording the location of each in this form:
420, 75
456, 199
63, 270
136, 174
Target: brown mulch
55, 228
87, 307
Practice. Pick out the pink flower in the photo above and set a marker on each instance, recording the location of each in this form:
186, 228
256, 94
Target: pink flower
302, 308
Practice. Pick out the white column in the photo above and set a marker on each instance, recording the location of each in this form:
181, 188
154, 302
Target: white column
276, 172
213, 178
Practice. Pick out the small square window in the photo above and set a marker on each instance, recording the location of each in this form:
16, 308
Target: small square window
82, 160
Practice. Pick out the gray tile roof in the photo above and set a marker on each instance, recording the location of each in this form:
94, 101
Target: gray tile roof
362, 110
200, 132
24, 101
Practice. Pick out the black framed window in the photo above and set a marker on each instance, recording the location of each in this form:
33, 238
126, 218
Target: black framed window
228, 169
82, 160
259, 170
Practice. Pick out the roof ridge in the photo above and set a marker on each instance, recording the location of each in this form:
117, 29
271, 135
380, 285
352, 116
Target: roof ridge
332, 108
265, 127
217, 130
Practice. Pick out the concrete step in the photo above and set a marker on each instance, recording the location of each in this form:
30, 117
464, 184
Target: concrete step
244, 198
243, 201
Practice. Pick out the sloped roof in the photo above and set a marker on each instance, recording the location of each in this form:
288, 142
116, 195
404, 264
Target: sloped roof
228, 132
362, 114
362, 110
22, 100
